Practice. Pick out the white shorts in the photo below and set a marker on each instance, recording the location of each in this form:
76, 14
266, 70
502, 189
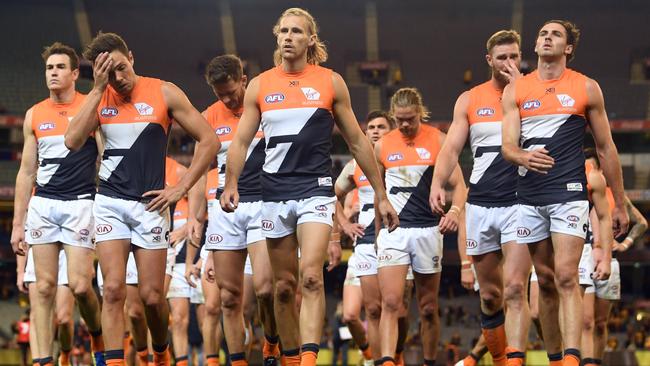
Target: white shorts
169, 263
51, 221
365, 260
178, 287
489, 227
533, 274
419, 247
234, 230
351, 278
196, 293
30, 272
535, 223
610, 289
131, 274
280, 219
116, 218
586, 266
248, 267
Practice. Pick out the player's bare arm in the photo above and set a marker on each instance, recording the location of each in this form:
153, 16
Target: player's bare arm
24, 185
448, 155
248, 125
197, 127
605, 235
607, 154
536, 160
361, 149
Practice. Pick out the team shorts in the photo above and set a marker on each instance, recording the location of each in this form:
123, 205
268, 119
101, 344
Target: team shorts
248, 267
131, 274
52, 221
610, 289
535, 223
351, 278
489, 227
178, 286
280, 219
586, 267
533, 274
117, 218
419, 247
169, 262
365, 260
30, 272
234, 230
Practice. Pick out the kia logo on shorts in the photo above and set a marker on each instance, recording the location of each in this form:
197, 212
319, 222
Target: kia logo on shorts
274, 98
108, 112
36, 234
523, 232
267, 225
581, 270
531, 104
321, 208
573, 218
156, 230
84, 232
470, 244
363, 265
215, 238
103, 229
385, 257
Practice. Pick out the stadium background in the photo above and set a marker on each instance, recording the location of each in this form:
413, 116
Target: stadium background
378, 46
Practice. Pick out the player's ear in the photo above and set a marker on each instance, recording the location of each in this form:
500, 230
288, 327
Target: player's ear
131, 59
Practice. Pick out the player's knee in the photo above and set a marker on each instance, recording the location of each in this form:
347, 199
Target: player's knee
114, 292
312, 282
429, 312
135, 312
81, 288
63, 317
151, 296
350, 317
515, 293
213, 309
587, 323
391, 303
230, 299
285, 291
600, 325
491, 298
566, 279
373, 310
46, 287
546, 280
265, 295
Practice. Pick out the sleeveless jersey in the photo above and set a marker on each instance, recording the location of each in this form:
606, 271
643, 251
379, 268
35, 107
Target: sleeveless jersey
366, 205
553, 116
136, 133
62, 174
297, 122
493, 179
212, 187
224, 123
409, 170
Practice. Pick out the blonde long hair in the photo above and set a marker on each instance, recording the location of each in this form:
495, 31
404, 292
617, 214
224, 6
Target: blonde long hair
406, 97
317, 53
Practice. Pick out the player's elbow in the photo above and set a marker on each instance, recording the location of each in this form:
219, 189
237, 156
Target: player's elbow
71, 142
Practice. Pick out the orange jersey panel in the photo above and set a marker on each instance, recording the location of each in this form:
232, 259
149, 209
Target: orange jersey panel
398, 151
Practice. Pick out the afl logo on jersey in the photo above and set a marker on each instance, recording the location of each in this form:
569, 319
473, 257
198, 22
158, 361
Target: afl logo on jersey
321, 208
46, 126
215, 238
363, 178
103, 229
531, 104
267, 225
109, 112
224, 130
485, 112
395, 157
274, 98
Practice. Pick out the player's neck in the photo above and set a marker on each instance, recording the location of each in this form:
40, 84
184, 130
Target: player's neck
551, 69
498, 84
65, 96
294, 66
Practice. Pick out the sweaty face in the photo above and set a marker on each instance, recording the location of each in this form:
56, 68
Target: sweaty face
408, 120
377, 128
122, 76
552, 41
231, 93
58, 74
500, 56
293, 37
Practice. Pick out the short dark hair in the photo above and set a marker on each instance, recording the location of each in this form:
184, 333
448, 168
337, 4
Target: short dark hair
105, 42
381, 114
58, 48
591, 153
223, 68
572, 34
